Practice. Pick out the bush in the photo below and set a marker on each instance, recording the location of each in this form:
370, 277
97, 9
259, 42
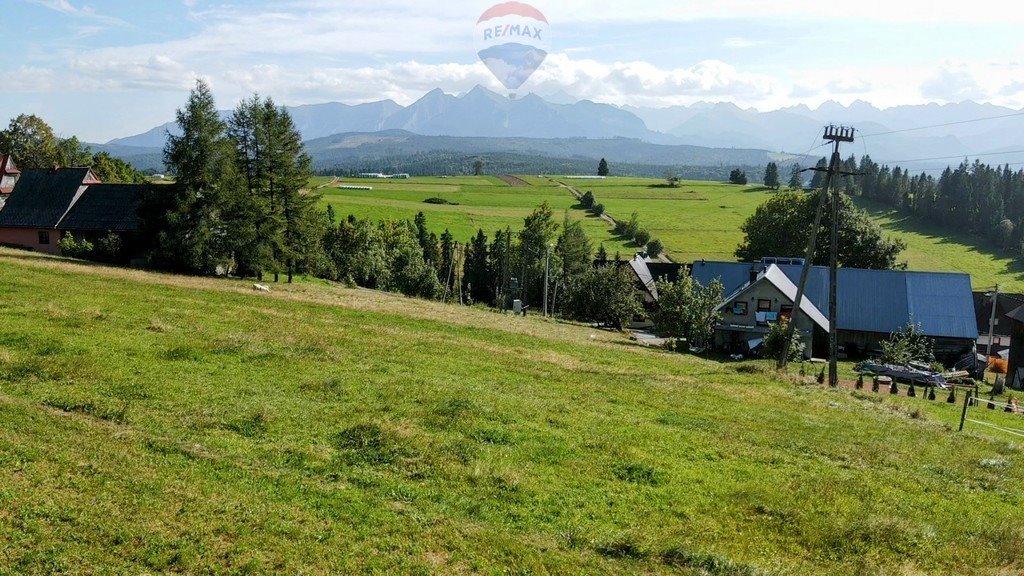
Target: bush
775, 339
907, 345
587, 200
655, 248
108, 248
597, 209
437, 200
75, 249
821, 377
642, 237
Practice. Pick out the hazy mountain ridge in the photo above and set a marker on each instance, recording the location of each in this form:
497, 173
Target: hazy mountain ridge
481, 113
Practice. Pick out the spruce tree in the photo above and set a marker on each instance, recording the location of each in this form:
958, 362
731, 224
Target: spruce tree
185, 227
796, 179
602, 168
771, 176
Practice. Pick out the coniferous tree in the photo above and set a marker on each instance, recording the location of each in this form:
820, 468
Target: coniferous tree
475, 274
602, 167
771, 176
796, 178
185, 225
818, 177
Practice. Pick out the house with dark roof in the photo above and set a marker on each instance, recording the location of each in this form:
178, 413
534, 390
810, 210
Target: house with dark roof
747, 312
9, 174
46, 204
871, 304
1015, 373
1001, 332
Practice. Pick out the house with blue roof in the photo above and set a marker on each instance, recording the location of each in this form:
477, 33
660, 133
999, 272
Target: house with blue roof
871, 304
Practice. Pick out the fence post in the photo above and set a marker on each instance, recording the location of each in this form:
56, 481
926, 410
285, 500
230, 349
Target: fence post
963, 415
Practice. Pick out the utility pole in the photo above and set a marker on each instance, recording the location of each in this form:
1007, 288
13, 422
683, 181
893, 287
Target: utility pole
836, 135
547, 260
992, 322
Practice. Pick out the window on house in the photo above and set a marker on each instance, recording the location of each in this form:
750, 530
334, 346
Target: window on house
739, 308
764, 305
44, 237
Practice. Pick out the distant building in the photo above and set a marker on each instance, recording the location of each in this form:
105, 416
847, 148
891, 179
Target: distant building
1015, 374
1001, 335
46, 204
872, 304
9, 174
401, 176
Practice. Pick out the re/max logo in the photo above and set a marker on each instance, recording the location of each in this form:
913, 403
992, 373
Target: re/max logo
512, 30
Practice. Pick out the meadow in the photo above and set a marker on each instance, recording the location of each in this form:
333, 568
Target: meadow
697, 220
160, 423
477, 202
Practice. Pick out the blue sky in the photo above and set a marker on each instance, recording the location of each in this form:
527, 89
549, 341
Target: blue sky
101, 69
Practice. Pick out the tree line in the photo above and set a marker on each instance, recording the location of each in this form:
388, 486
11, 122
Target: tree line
973, 197
33, 144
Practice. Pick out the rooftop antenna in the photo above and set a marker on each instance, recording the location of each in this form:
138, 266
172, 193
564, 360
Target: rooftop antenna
835, 135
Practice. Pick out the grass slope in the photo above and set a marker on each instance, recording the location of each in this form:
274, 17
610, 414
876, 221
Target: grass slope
479, 202
164, 423
697, 220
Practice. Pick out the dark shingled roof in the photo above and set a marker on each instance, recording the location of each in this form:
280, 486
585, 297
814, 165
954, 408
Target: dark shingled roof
106, 207
41, 197
1017, 315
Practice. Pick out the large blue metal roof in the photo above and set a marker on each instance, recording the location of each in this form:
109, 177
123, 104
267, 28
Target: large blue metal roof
874, 300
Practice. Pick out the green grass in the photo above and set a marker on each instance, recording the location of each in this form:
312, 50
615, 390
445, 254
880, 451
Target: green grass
931, 247
480, 202
696, 220
154, 423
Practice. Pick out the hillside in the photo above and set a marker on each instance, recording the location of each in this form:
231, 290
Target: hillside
154, 423
700, 219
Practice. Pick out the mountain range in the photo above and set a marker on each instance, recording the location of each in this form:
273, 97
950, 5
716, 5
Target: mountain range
703, 134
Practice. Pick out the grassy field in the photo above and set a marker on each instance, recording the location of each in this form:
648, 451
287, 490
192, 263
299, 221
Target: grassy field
153, 423
696, 220
478, 202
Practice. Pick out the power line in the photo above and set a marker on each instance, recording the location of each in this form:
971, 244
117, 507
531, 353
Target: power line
942, 125
952, 157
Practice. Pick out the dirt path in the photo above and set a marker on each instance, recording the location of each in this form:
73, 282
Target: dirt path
334, 180
611, 221
513, 181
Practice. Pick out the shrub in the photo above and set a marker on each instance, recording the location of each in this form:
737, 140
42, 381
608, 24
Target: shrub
952, 396
642, 237
821, 377
860, 382
911, 392
108, 248
775, 340
655, 248
909, 344
587, 200
74, 249
437, 200
597, 209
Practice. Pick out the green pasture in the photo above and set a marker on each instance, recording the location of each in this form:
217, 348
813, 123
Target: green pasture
154, 424
478, 202
696, 220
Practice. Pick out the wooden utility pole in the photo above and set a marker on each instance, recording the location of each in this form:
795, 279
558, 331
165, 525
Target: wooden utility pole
836, 135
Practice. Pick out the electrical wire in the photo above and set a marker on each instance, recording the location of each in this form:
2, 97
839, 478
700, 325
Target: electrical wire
952, 157
942, 125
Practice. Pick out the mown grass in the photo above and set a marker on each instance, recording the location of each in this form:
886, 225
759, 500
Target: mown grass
479, 202
696, 220
160, 423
